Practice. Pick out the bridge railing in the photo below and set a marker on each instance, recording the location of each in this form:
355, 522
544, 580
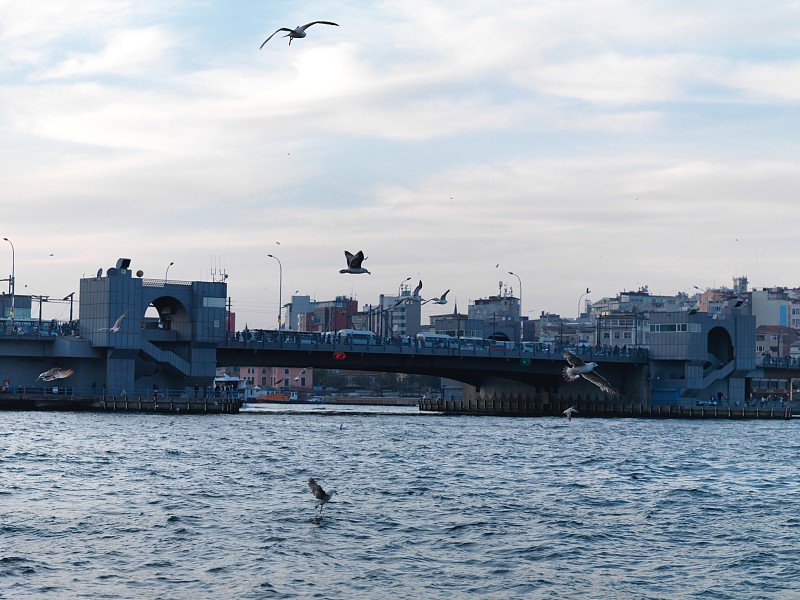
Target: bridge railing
295, 340
780, 362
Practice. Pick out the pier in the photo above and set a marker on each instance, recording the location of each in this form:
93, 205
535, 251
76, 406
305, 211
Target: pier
608, 409
37, 400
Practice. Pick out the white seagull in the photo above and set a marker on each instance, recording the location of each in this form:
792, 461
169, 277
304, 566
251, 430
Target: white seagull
55, 373
117, 324
440, 300
297, 32
569, 412
354, 263
319, 493
415, 297
578, 369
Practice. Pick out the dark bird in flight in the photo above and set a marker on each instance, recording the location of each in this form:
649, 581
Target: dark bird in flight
319, 493
354, 263
578, 369
297, 32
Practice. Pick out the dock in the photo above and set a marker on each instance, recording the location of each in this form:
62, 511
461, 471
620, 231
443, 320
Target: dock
139, 404
619, 409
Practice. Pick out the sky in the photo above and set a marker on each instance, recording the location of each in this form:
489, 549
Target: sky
579, 144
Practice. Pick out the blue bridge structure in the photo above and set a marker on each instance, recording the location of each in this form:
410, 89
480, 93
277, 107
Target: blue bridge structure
526, 378
163, 339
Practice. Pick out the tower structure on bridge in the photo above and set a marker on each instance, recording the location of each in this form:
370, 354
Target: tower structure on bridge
173, 349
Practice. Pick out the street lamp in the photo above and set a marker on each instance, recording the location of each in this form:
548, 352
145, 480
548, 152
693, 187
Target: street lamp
399, 287
588, 291
69, 297
520, 304
280, 288
166, 273
13, 283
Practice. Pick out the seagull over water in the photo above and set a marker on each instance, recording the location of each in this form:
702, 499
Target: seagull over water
319, 493
117, 324
569, 412
354, 263
578, 369
297, 32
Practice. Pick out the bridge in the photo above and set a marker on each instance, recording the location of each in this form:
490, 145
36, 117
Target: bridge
521, 371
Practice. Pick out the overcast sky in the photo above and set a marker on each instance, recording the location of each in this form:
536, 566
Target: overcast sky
605, 144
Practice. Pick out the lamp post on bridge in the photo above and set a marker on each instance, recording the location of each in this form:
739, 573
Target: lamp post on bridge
12, 284
400, 287
520, 304
69, 297
166, 273
280, 288
588, 291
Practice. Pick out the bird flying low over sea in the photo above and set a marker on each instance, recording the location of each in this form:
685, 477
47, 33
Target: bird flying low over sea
117, 324
440, 300
354, 263
319, 493
297, 32
578, 369
55, 373
569, 412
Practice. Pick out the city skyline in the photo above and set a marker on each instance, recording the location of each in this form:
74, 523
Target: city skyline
611, 149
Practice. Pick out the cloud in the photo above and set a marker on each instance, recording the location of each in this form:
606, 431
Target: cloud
609, 144
127, 53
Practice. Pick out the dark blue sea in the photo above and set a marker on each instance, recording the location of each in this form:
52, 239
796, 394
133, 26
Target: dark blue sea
112, 505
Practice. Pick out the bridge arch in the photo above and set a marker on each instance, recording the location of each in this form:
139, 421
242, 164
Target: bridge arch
172, 315
720, 344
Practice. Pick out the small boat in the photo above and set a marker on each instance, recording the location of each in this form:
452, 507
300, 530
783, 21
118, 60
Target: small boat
274, 396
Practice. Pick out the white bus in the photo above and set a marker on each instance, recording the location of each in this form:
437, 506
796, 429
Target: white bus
362, 337
435, 340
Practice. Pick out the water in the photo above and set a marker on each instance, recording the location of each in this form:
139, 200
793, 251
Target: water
152, 506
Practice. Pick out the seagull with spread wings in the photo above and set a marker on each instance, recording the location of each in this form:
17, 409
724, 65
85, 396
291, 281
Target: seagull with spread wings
577, 369
319, 493
440, 300
569, 412
354, 263
297, 32
117, 324
55, 373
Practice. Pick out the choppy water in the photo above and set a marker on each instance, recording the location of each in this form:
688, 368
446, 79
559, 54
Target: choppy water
153, 506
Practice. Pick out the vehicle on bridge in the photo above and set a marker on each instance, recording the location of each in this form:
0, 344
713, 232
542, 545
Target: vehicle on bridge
352, 336
426, 339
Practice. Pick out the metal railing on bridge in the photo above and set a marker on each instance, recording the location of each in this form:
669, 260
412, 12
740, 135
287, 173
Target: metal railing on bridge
369, 342
779, 362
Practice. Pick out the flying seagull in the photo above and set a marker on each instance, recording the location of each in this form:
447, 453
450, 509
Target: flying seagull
440, 300
354, 263
117, 324
297, 32
569, 412
55, 373
578, 369
319, 493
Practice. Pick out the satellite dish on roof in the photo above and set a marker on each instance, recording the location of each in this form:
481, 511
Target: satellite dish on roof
99, 273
